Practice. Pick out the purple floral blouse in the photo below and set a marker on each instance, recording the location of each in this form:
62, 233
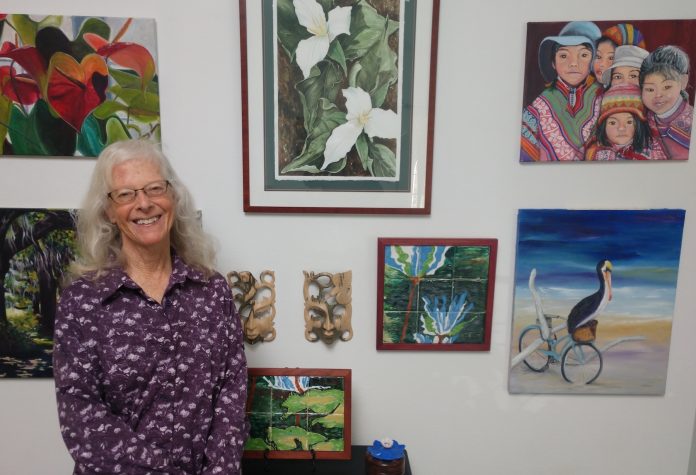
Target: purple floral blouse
149, 388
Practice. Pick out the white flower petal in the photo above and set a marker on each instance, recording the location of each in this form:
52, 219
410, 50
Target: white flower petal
383, 123
339, 22
310, 14
310, 51
358, 102
340, 142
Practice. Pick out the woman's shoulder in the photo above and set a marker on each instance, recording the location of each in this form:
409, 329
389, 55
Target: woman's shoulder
89, 286
219, 282
80, 285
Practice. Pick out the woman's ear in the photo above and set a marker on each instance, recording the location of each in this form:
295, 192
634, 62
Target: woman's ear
684, 81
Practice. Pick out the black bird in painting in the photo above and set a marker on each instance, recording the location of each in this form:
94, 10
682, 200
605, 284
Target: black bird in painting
592, 305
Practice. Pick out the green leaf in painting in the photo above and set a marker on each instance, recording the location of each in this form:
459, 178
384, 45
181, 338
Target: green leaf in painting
458, 329
366, 28
362, 147
383, 160
142, 105
378, 71
5, 111
57, 137
404, 258
336, 53
312, 157
26, 28
428, 324
334, 420
130, 80
320, 401
302, 168
323, 84
23, 134
287, 439
80, 48
290, 32
40, 133
90, 140
338, 166
115, 131
107, 109
145, 107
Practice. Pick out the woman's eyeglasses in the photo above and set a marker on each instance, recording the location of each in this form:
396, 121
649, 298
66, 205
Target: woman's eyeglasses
127, 195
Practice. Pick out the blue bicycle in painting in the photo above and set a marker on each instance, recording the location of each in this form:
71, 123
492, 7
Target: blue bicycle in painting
539, 345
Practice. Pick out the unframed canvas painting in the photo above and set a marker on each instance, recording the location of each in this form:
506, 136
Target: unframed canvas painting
71, 85
618, 267
608, 90
36, 246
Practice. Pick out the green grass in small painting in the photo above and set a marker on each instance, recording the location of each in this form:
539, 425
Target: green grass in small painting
311, 420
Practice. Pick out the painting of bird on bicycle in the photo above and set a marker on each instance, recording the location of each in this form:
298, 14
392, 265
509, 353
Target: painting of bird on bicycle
594, 300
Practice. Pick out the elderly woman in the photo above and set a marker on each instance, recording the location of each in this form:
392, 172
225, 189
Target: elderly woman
149, 364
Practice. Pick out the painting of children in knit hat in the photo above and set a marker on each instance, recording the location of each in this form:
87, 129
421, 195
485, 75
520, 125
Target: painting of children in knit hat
608, 90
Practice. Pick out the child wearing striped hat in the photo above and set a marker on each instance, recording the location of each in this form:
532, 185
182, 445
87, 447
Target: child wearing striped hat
613, 37
622, 131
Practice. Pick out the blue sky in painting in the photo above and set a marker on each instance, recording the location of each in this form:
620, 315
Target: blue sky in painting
565, 246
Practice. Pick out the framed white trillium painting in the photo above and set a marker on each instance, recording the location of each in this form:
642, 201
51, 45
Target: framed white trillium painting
338, 106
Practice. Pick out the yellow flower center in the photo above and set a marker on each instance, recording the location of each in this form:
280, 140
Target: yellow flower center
364, 118
319, 28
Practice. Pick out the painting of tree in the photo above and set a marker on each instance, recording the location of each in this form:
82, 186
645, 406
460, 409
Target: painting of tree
36, 246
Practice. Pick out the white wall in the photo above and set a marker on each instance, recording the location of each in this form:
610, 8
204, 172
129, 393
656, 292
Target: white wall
451, 409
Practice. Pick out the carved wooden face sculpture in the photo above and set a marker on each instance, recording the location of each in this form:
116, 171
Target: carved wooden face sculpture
255, 301
328, 306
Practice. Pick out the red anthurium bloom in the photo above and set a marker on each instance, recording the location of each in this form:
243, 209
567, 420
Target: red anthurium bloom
127, 55
76, 89
29, 58
18, 87
95, 41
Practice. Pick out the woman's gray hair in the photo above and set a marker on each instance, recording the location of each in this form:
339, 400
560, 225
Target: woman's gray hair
99, 240
670, 61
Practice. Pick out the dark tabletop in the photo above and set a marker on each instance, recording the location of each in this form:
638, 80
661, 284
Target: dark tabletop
354, 466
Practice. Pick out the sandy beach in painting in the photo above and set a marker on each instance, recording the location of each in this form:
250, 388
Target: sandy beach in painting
633, 367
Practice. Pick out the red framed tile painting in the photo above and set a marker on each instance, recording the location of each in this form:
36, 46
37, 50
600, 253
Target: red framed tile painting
435, 294
299, 413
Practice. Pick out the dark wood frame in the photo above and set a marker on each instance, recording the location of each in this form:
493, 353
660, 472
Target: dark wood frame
305, 454
250, 207
382, 243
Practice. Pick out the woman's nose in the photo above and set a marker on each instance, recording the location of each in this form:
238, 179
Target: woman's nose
142, 200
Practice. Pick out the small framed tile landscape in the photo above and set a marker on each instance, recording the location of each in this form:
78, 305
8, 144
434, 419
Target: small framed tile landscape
299, 413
